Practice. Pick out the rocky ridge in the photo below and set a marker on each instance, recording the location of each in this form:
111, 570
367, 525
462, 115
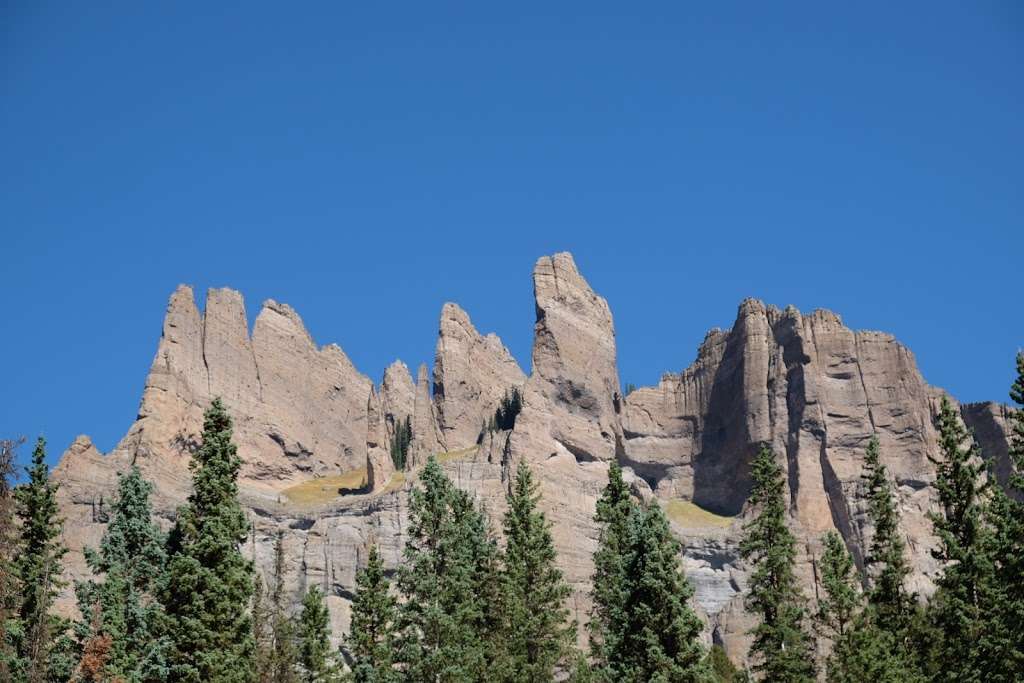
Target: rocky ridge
812, 388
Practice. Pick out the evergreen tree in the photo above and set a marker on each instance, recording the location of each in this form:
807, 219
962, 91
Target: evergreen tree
208, 585
868, 651
1007, 516
447, 624
121, 605
400, 442
538, 635
276, 651
661, 638
722, 668
965, 596
610, 581
838, 580
316, 662
886, 561
782, 647
9, 594
39, 642
371, 641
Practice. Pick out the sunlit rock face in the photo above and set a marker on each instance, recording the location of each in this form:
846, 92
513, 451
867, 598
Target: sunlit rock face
304, 417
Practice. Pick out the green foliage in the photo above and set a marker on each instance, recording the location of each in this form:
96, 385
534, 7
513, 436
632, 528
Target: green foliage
642, 628
886, 561
610, 588
208, 585
448, 623
9, 593
782, 648
400, 442
372, 639
508, 409
661, 639
119, 603
316, 662
38, 645
870, 651
838, 581
274, 632
966, 593
537, 632
722, 668
1007, 545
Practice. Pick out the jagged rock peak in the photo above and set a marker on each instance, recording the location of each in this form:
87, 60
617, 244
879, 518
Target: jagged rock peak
471, 374
572, 399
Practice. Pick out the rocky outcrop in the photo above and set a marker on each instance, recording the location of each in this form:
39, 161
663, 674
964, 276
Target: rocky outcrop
379, 466
471, 375
397, 396
571, 401
813, 389
427, 439
990, 423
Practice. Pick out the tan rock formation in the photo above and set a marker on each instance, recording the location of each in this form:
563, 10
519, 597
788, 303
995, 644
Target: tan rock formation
471, 375
572, 399
813, 389
427, 439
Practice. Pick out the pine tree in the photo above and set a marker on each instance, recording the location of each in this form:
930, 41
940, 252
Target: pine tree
9, 594
722, 668
447, 624
611, 586
371, 641
965, 595
208, 585
120, 604
838, 581
316, 662
276, 650
1006, 511
661, 638
886, 560
537, 632
782, 648
400, 442
40, 644
869, 652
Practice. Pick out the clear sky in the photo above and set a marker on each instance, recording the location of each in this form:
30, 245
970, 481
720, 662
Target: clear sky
365, 162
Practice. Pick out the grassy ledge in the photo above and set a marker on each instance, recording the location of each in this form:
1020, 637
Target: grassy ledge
325, 489
688, 514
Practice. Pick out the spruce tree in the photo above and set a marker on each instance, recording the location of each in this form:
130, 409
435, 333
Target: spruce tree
208, 585
120, 602
611, 585
372, 639
886, 561
661, 635
276, 651
447, 623
316, 662
838, 607
9, 594
782, 648
537, 633
1006, 511
40, 644
965, 595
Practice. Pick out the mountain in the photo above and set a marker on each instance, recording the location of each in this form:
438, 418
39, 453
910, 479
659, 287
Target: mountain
316, 436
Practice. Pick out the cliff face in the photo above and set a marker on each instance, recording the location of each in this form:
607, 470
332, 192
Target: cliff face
813, 389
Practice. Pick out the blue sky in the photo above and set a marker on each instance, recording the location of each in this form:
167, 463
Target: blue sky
366, 162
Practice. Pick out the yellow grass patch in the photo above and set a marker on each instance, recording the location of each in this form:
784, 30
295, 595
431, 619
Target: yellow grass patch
455, 455
687, 514
325, 489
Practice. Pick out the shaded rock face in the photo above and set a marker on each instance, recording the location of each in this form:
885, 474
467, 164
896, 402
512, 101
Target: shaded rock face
471, 375
992, 429
808, 386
